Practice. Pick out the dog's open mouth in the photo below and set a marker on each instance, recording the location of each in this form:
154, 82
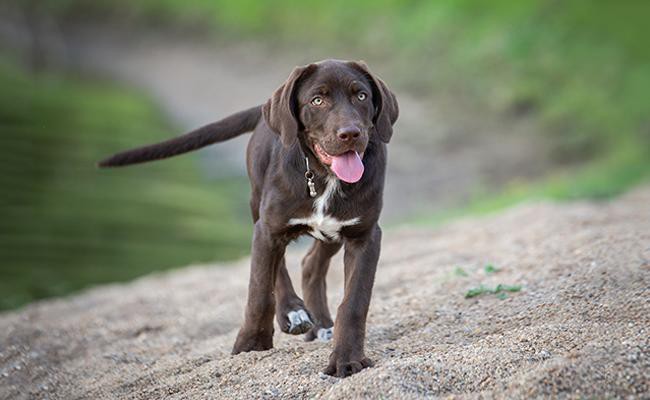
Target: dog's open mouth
347, 166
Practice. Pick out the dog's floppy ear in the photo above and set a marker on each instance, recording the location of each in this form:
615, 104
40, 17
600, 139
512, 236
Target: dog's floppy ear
386, 108
280, 111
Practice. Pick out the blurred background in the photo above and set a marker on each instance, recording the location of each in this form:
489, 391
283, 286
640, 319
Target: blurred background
501, 102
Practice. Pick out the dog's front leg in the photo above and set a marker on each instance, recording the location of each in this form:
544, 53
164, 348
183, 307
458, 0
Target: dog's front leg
361, 256
267, 253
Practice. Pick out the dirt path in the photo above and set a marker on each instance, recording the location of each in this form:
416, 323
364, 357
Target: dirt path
579, 328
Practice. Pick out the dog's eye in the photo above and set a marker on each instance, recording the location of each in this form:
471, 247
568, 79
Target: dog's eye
362, 96
317, 101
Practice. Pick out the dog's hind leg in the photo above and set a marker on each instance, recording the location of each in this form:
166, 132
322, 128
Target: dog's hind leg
256, 334
290, 310
314, 287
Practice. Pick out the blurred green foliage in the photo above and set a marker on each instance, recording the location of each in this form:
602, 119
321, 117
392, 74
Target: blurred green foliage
603, 178
582, 66
64, 224
580, 69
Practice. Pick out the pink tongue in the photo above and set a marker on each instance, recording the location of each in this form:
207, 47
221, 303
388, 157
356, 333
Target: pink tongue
348, 166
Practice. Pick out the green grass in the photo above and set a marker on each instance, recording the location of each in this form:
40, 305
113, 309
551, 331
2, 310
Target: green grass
499, 290
65, 225
490, 269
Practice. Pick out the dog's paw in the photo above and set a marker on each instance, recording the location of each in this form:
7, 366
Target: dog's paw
325, 334
343, 366
320, 333
298, 322
252, 342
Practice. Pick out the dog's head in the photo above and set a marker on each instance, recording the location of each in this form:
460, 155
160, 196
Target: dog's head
336, 106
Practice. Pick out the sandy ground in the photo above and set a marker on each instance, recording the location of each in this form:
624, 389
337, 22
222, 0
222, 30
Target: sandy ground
579, 328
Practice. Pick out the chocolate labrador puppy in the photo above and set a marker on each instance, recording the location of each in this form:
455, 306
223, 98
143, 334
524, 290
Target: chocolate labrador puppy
316, 162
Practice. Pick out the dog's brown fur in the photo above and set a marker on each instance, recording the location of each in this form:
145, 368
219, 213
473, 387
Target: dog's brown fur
286, 130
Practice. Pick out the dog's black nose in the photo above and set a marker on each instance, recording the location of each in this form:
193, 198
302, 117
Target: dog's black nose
348, 133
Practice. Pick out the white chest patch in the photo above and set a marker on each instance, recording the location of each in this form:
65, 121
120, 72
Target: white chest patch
325, 227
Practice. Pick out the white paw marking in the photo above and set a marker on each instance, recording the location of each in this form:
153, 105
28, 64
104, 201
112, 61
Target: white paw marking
298, 318
325, 227
325, 334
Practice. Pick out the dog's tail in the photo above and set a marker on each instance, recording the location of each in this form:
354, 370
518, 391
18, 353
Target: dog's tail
227, 128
